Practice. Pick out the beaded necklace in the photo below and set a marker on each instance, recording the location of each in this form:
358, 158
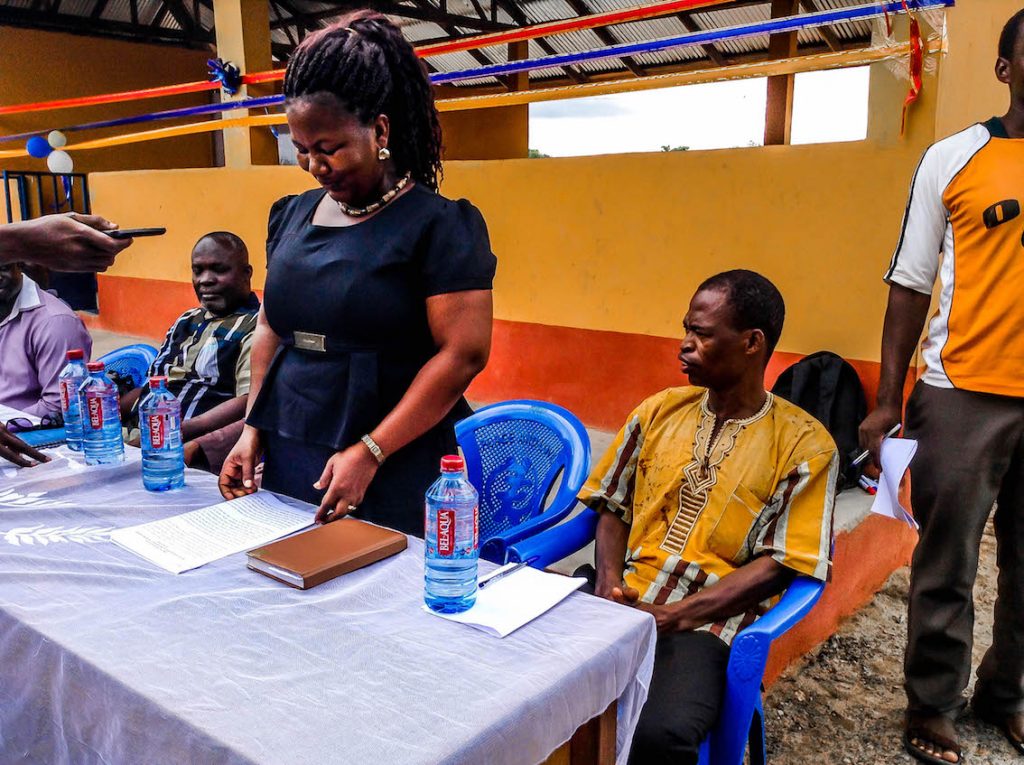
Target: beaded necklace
359, 212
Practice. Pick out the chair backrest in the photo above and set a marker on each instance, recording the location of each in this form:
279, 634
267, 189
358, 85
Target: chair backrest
514, 450
132, 361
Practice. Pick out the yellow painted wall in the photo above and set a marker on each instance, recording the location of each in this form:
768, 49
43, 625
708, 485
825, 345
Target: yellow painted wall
613, 243
190, 203
501, 133
619, 242
41, 66
970, 91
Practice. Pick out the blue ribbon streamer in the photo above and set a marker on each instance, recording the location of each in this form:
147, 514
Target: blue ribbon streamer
789, 24
188, 111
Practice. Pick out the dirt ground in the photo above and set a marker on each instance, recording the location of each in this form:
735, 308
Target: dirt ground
845, 703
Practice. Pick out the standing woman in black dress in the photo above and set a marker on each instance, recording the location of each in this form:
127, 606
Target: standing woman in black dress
377, 310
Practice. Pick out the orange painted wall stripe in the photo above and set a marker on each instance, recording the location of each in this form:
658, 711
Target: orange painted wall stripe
600, 376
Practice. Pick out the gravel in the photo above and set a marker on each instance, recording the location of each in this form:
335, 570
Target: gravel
844, 703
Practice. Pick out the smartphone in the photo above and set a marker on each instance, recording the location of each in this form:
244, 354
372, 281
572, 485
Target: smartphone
131, 233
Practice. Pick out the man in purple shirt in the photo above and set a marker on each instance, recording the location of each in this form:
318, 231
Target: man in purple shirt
71, 242
36, 332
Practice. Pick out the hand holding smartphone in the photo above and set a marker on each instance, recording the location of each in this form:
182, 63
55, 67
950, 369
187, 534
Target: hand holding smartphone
131, 233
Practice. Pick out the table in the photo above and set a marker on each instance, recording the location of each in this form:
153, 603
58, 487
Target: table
105, 658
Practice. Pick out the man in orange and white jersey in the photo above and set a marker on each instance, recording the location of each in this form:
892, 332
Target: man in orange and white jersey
963, 226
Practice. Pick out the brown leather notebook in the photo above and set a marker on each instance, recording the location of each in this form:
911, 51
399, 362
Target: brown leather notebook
315, 556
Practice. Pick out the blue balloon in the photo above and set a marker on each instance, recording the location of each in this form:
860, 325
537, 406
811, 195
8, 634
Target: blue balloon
38, 147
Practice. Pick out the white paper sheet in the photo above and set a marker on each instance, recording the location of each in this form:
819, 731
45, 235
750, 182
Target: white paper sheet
517, 599
896, 456
193, 539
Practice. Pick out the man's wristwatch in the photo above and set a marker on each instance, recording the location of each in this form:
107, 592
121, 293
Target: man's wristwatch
374, 449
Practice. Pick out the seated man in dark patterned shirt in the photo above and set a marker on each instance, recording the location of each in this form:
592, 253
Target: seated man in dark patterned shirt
205, 355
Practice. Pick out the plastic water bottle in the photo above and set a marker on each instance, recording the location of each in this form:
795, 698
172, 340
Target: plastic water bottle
101, 418
163, 458
452, 540
71, 379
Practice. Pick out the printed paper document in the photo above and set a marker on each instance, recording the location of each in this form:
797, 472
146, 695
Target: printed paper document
193, 539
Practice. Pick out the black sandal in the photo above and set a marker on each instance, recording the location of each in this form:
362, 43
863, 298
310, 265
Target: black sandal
915, 729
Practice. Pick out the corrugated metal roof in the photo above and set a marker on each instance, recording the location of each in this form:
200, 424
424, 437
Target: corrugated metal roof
534, 11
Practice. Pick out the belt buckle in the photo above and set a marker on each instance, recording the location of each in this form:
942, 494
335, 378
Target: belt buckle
310, 341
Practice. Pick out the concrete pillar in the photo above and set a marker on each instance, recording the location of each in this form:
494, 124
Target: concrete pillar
969, 91
243, 38
499, 133
960, 91
887, 90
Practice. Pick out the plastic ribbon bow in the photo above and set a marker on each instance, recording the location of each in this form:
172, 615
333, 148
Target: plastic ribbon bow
229, 75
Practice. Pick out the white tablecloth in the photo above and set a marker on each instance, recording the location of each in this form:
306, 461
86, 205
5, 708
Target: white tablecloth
107, 659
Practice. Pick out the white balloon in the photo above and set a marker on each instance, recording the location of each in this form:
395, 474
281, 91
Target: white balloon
57, 139
60, 162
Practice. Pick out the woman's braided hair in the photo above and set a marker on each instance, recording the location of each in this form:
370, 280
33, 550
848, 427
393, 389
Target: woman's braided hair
364, 61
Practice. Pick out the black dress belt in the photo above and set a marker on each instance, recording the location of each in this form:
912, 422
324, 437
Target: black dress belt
315, 343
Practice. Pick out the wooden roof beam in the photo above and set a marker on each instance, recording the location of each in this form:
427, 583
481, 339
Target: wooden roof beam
517, 15
827, 33
580, 8
710, 50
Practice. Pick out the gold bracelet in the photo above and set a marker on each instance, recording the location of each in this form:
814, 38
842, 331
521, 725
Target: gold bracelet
374, 449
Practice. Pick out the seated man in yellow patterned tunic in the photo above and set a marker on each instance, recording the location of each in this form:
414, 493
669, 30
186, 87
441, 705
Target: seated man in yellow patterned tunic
711, 499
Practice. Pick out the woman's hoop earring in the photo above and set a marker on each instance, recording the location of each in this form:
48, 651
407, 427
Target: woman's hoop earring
383, 153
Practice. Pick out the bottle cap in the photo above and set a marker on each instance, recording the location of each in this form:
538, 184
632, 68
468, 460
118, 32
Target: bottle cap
452, 464
156, 380
76, 354
95, 366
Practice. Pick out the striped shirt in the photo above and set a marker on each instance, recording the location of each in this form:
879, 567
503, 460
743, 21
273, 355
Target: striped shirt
206, 357
700, 505
963, 227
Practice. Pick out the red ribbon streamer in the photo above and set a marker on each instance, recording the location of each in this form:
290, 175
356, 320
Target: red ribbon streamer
635, 13
514, 35
110, 98
916, 67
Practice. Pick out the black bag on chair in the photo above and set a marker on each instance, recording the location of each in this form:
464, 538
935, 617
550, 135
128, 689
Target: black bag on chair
829, 389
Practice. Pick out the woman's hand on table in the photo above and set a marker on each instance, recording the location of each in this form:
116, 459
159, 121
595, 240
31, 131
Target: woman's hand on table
238, 476
346, 477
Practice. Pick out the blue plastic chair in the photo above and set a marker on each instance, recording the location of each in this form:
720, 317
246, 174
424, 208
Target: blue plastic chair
131, 361
741, 722
514, 452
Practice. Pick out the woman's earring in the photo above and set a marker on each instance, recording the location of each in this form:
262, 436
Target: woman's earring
383, 153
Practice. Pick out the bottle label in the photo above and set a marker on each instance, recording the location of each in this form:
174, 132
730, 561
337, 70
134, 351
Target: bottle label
157, 430
65, 395
94, 402
476, 528
446, 532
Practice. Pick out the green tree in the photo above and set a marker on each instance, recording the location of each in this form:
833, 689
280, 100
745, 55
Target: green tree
537, 154
666, 147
